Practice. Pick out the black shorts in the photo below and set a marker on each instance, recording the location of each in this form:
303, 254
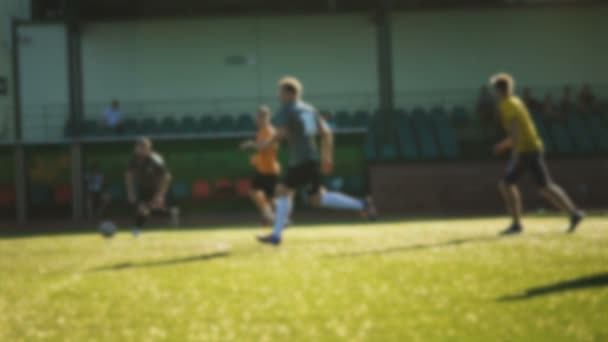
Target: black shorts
307, 174
534, 162
265, 183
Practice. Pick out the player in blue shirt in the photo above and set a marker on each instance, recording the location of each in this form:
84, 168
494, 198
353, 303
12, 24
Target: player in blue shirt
300, 125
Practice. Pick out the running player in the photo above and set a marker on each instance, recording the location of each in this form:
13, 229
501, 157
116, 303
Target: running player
266, 165
147, 181
527, 155
300, 125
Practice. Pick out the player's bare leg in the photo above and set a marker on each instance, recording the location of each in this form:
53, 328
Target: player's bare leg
340, 201
264, 205
560, 199
143, 212
513, 203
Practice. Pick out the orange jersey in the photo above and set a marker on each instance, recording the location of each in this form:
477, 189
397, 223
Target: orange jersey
265, 161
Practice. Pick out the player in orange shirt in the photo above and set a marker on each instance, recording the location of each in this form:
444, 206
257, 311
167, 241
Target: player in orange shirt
267, 167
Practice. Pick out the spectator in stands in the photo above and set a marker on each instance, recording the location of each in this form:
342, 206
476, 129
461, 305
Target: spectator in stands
112, 117
586, 100
530, 101
97, 199
548, 108
565, 104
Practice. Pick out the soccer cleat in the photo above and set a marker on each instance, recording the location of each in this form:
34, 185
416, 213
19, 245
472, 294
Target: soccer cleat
514, 229
269, 240
575, 220
369, 209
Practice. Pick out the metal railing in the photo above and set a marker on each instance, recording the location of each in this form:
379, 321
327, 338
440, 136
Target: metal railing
48, 123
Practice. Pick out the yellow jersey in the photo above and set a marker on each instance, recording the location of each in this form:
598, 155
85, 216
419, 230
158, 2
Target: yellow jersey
512, 109
265, 161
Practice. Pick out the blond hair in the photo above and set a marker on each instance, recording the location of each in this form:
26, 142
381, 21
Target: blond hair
265, 111
293, 84
144, 141
503, 82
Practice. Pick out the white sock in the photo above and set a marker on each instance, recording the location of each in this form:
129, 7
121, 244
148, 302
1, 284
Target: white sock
268, 214
281, 215
336, 200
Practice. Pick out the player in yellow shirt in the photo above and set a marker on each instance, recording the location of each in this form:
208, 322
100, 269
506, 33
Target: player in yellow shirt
527, 155
266, 164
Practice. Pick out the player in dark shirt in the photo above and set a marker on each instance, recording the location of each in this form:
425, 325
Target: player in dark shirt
147, 181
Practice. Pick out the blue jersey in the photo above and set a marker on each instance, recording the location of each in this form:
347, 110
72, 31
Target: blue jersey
301, 121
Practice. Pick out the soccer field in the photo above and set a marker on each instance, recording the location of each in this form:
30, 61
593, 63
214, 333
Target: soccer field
424, 280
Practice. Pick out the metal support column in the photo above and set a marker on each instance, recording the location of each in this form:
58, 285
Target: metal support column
385, 66
74, 53
19, 151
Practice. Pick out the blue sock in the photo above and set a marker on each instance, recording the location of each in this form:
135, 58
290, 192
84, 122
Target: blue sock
336, 200
282, 212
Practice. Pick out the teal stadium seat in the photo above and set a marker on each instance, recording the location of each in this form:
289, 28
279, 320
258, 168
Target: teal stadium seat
226, 123
245, 123
208, 123
148, 126
460, 116
407, 139
445, 134
424, 131
130, 127
581, 137
389, 152
343, 120
361, 119
91, 128
563, 142
168, 125
598, 131
188, 125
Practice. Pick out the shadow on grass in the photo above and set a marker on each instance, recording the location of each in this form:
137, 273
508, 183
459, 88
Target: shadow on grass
169, 262
408, 248
585, 282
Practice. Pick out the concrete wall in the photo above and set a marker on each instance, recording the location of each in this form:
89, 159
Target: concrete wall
470, 187
184, 65
447, 55
8, 9
43, 74
230, 65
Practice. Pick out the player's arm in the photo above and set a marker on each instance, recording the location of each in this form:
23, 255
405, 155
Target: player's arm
163, 188
327, 145
279, 135
513, 136
130, 185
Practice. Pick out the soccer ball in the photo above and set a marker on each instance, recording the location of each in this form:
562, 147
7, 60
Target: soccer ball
107, 229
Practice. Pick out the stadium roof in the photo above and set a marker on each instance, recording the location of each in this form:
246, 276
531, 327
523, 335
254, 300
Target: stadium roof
124, 9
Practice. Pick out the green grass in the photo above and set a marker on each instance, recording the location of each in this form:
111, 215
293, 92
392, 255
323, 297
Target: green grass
397, 281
